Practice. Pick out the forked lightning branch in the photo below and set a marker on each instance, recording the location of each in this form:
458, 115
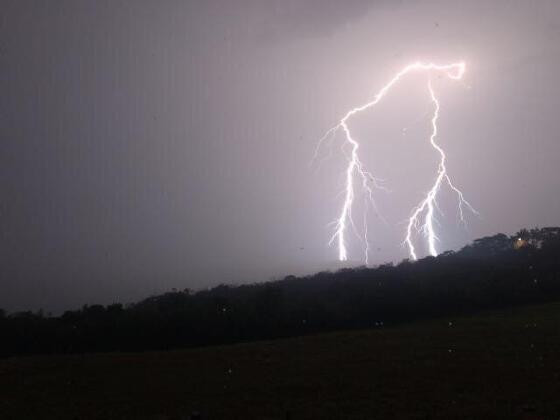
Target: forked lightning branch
422, 218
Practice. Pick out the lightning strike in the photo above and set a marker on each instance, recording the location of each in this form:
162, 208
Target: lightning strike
428, 205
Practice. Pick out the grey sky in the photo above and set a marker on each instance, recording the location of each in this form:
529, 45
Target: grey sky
147, 145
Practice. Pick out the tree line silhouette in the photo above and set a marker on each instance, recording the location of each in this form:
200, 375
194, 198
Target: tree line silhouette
492, 272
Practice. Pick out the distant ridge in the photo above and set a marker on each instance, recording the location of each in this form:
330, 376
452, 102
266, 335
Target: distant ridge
492, 272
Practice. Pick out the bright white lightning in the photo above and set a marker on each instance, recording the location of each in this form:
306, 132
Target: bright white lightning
454, 71
429, 202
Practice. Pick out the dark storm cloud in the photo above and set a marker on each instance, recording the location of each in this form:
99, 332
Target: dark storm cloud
278, 20
293, 18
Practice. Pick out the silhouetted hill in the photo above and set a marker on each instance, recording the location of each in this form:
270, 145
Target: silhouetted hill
491, 272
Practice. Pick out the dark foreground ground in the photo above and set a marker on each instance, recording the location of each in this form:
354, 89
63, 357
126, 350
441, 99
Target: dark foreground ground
499, 365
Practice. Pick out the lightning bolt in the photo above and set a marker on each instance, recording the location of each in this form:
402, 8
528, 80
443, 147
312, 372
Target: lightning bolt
429, 202
427, 206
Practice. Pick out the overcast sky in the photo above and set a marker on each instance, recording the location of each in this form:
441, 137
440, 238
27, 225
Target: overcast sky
146, 145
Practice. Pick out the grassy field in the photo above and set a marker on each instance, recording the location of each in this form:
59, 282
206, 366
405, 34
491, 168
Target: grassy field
503, 364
